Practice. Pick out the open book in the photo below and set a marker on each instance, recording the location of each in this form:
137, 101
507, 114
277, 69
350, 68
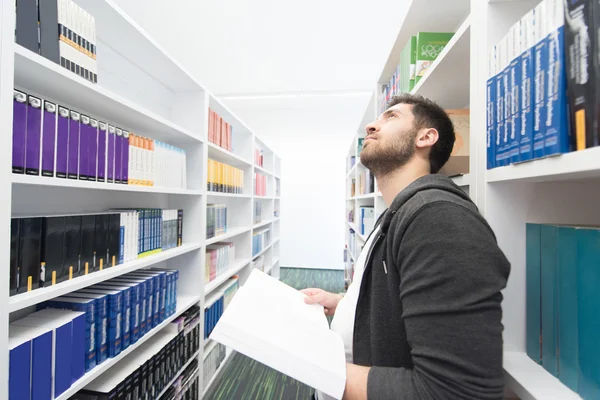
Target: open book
269, 322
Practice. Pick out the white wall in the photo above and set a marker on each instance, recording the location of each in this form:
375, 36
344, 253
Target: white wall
312, 136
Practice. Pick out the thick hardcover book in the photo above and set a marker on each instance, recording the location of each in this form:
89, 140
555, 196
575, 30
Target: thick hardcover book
88, 226
549, 260
93, 151
527, 93
110, 160
48, 138
84, 147
48, 14
26, 29
30, 254
34, 131
125, 158
118, 155
62, 142
540, 82
72, 254
101, 153
14, 254
19, 131
101, 241
53, 235
73, 161
114, 235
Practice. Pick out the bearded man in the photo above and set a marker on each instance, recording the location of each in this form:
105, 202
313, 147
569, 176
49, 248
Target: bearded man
423, 317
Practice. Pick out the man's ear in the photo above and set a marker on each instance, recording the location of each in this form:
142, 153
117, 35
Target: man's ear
427, 137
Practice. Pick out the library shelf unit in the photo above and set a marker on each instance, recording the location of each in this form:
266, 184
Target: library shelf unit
554, 190
140, 88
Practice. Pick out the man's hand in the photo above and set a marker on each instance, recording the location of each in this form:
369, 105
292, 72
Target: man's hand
356, 382
326, 299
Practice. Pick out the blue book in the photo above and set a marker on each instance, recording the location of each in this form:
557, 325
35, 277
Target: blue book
172, 279
549, 257
101, 308
588, 282
130, 313
115, 318
500, 96
144, 301
527, 87
540, 66
568, 358
533, 294
41, 358
61, 328
19, 366
86, 306
557, 137
78, 321
153, 283
122, 238
515, 76
491, 111
160, 288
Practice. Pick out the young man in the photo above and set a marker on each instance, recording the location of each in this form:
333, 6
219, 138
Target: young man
422, 319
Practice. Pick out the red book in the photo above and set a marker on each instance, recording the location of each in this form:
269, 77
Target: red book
210, 124
229, 138
219, 129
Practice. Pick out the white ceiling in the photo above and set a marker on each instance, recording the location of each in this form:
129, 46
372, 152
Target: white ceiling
274, 46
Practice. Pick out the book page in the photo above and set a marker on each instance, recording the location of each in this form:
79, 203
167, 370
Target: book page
269, 322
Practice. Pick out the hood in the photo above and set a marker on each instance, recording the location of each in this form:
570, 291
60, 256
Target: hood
427, 182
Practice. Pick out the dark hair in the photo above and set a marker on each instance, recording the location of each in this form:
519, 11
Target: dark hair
430, 115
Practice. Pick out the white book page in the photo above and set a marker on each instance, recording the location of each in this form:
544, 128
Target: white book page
269, 322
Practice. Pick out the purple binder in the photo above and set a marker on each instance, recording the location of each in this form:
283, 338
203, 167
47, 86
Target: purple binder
110, 175
118, 155
101, 154
93, 153
84, 147
19, 131
73, 159
34, 132
125, 157
62, 142
48, 138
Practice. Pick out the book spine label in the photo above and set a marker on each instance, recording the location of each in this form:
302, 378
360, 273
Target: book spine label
19, 131
34, 131
48, 139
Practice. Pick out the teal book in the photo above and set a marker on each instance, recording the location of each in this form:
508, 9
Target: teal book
533, 296
549, 303
588, 282
568, 359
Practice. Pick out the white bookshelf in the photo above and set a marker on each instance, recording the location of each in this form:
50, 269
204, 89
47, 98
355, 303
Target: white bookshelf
143, 89
560, 190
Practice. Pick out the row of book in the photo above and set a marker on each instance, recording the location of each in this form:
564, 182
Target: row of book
60, 31
416, 58
70, 335
224, 178
259, 157
260, 184
147, 372
219, 258
45, 251
53, 141
220, 132
186, 387
259, 263
213, 312
365, 183
216, 220
351, 162
354, 246
257, 216
366, 219
562, 298
212, 362
527, 89
260, 240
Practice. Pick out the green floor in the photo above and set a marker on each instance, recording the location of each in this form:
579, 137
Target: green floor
246, 379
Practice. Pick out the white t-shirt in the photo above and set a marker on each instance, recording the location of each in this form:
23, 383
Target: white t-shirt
343, 321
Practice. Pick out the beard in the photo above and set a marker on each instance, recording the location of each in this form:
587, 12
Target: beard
384, 158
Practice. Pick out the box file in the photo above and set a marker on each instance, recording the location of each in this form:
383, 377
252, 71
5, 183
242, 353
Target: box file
84, 147
41, 358
73, 148
93, 151
53, 267
30, 248
48, 138
34, 131
19, 131
78, 321
110, 160
118, 154
125, 158
62, 142
87, 306
19, 367
101, 153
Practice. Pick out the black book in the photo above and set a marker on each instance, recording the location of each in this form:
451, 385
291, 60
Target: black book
129, 387
53, 243
114, 238
121, 391
101, 238
179, 227
88, 243
71, 256
144, 381
48, 12
14, 255
30, 254
136, 384
26, 29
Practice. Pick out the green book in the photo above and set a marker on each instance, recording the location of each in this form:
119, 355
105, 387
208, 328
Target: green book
429, 47
413, 61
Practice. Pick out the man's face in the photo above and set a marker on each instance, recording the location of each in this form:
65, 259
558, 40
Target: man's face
390, 140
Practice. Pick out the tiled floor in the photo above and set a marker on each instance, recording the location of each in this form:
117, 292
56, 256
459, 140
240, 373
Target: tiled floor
246, 379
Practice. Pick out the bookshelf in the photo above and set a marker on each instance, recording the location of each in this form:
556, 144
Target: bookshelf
554, 190
144, 90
